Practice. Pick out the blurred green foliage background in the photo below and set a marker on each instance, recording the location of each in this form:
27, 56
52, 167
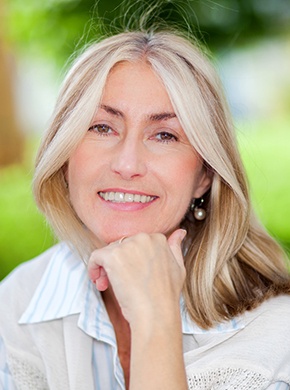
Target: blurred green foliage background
45, 34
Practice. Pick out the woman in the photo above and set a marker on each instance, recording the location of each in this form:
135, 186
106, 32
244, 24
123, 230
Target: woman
140, 177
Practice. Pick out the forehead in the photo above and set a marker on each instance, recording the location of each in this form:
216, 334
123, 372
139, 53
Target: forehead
135, 83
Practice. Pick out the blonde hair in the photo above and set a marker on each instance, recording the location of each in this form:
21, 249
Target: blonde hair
232, 264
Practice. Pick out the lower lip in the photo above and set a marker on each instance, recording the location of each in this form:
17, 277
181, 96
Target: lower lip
127, 206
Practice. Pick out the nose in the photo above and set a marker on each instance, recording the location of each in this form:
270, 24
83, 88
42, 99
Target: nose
129, 158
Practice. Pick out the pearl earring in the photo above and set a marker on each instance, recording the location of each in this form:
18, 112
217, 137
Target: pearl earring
199, 213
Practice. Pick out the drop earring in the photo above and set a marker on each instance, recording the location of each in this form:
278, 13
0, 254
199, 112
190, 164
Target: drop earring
199, 212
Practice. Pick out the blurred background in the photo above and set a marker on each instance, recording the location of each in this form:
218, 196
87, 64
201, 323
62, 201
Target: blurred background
250, 42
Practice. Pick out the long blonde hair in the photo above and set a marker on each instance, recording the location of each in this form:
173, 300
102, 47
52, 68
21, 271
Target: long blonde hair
232, 263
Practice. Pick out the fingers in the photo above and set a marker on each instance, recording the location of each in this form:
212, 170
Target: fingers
174, 242
102, 283
98, 263
98, 276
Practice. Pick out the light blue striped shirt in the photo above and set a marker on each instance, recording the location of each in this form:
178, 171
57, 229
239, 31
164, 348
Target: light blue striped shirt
65, 290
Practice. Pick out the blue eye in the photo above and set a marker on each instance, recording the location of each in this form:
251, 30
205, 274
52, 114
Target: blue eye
101, 129
164, 136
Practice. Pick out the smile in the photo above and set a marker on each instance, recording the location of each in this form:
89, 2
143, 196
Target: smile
121, 197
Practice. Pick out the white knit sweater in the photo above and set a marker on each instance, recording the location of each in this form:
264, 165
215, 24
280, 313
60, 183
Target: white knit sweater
47, 355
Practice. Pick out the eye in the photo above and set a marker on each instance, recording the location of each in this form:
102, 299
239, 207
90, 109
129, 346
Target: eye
101, 129
166, 137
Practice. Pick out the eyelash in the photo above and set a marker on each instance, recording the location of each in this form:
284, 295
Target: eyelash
169, 137
96, 128
165, 136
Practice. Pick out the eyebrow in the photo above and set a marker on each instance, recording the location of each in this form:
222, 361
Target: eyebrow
152, 117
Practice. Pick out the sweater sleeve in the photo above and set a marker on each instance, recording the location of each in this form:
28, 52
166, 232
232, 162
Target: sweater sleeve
232, 379
226, 379
6, 381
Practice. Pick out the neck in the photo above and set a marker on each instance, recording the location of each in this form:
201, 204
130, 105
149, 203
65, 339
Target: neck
112, 306
122, 331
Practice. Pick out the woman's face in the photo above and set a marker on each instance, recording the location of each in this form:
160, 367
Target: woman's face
135, 170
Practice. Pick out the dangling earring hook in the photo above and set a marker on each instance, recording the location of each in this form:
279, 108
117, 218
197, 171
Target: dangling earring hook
199, 212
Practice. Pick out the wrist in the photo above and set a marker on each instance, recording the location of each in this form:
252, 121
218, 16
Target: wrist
156, 321
157, 353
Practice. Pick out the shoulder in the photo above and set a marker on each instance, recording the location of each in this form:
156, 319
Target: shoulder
30, 348
18, 287
266, 332
265, 338
258, 350
270, 321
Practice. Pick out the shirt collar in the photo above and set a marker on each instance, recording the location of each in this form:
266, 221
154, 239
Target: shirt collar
61, 289
190, 327
65, 289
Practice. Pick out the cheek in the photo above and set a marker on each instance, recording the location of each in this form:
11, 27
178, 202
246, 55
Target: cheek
186, 174
79, 166
77, 174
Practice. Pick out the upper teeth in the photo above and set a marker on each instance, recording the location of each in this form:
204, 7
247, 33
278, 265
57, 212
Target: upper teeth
125, 197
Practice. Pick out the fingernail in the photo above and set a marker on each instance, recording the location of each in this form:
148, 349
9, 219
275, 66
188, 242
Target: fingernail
183, 233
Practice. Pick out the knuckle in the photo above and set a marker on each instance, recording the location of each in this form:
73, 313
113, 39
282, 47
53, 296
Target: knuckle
159, 237
142, 236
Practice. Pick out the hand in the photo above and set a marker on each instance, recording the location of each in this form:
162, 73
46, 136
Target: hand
145, 271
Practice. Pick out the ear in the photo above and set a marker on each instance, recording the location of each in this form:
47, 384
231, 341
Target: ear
204, 183
65, 173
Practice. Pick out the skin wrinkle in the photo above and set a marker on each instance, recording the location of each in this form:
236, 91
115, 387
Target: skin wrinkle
152, 117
